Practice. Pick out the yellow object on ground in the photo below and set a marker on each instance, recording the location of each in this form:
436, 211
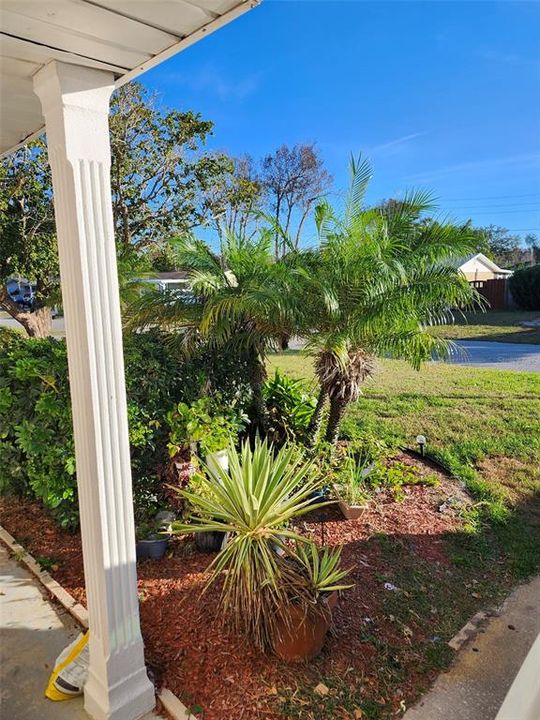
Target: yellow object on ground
70, 671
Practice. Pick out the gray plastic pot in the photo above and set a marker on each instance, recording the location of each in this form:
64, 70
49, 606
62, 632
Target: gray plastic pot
151, 549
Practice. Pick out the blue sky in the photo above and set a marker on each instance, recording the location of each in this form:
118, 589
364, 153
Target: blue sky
440, 95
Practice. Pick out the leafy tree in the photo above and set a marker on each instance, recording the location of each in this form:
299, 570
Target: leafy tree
499, 244
531, 242
28, 235
241, 300
294, 180
235, 198
379, 280
158, 173
158, 176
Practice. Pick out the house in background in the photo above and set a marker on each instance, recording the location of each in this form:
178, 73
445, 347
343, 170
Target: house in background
176, 280
479, 267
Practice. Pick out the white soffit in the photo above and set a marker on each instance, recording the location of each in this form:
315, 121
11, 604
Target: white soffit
126, 37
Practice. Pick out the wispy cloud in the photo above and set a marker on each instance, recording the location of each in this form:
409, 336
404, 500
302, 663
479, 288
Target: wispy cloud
512, 60
209, 80
393, 146
523, 161
386, 149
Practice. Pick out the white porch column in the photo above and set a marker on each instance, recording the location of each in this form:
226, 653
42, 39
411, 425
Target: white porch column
75, 102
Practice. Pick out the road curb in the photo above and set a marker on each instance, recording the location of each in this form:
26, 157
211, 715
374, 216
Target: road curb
469, 631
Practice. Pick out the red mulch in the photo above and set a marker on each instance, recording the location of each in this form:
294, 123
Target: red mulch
210, 667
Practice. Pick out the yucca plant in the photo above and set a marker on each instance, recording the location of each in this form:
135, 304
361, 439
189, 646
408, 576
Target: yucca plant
254, 502
320, 570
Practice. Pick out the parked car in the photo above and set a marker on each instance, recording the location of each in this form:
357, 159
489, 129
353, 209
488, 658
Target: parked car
22, 293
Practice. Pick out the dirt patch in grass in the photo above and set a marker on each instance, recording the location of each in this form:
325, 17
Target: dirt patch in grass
389, 632
511, 474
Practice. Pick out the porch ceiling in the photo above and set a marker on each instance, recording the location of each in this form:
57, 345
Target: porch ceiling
126, 37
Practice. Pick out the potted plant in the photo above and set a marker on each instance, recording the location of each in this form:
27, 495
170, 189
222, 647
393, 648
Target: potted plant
152, 539
208, 423
209, 540
254, 503
303, 623
350, 489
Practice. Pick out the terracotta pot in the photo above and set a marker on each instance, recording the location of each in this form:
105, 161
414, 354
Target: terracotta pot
300, 637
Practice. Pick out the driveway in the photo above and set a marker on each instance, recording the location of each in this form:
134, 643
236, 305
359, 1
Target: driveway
33, 633
58, 327
485, 667
499, 356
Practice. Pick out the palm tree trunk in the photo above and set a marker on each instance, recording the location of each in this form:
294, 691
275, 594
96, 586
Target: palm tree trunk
337, 410
258, 376
316, 419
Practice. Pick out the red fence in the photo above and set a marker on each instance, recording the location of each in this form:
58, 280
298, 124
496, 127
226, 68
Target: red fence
495, 291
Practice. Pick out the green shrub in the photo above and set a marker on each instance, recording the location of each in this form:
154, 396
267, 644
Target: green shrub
36, 452
36, 449
395, 475
208, 421
525, 287
290, 404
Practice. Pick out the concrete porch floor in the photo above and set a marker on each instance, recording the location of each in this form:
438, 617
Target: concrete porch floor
33, 632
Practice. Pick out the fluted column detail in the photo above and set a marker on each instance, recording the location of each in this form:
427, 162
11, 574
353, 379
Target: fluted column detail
75, 102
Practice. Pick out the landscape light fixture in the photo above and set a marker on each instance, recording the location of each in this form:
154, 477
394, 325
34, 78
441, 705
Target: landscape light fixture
421, 440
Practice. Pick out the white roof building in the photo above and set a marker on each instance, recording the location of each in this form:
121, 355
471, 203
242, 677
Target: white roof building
480, 267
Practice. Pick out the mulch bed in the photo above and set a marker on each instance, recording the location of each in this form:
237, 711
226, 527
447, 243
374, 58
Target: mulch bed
212, 669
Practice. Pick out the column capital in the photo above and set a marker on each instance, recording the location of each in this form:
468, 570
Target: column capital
59, 83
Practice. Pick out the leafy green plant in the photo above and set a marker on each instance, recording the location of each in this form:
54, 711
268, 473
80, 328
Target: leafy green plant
290, 404
37, 456
254, 502
48, 562
207, 422
320, 570
525, 287
367, 447
36, 452
395, 475
151, 530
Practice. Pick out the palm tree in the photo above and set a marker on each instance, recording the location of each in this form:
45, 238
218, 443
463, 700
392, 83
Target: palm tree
240, 300
381, 277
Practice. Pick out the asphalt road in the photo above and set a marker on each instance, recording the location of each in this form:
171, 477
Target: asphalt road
6, 320
496, 355
499, 356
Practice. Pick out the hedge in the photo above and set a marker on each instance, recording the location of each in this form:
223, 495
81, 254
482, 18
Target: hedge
525, 287
37, 456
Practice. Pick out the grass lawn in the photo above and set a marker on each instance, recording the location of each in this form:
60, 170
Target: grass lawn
495, 326
485, 426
